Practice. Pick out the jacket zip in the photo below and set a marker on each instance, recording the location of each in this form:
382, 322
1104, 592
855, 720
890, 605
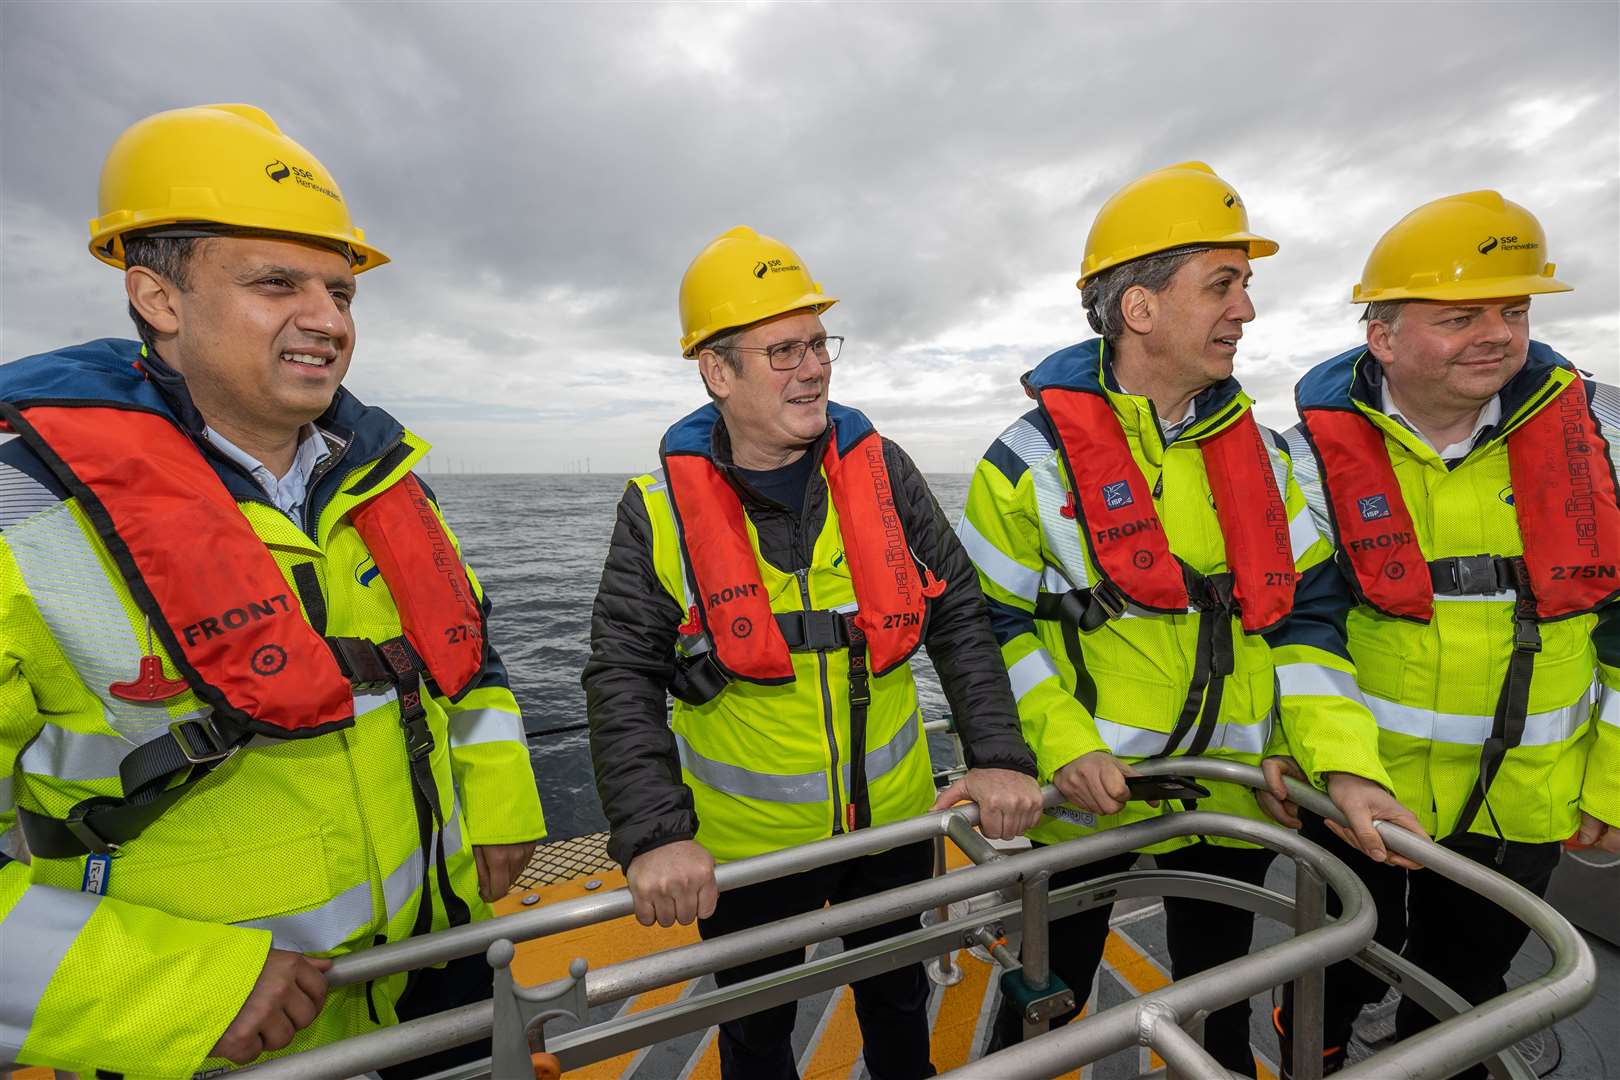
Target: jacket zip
826, 711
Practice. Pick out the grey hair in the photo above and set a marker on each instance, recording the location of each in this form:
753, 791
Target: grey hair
723, 343
1102, 294
1387, 312
169, 257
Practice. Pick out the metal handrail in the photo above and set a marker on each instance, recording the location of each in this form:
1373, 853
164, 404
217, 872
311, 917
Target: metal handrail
1435, 1053
1147, 1020
1335, 941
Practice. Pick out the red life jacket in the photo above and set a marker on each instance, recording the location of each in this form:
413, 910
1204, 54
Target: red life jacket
732, 606
1122, 528
1563, 497
216, 597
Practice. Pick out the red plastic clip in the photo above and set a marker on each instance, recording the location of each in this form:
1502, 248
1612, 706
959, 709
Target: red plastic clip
849, 818
149, 685
1068, 507
932, 586
691, 625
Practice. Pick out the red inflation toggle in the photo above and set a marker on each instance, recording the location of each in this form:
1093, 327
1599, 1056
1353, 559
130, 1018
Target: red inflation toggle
1067, 510
932, 586
691, 625
150, 685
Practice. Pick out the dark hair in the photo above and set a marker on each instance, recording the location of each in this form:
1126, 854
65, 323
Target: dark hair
1387, 312
1102, 294
169, 257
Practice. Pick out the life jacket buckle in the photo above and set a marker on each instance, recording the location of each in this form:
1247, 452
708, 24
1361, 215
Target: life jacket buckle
84, 833
1107, 596
199, 742
1469, 575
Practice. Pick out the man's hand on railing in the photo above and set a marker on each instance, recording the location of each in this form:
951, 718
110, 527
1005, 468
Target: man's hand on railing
673, 884
285, 999
1274, 800
1095, 782
1360, 800
1364, 802
1009, 802
1595, 833
499, 865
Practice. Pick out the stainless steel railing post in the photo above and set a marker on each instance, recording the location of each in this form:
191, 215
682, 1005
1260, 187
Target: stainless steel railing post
1310, 912
947, 960
1037, 938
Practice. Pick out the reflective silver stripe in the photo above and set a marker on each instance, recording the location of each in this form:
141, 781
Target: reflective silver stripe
84, 613
1054, 581
485, 726
1126, 741
808, 787
336, 921
364, 703
21, 496
325, 927
39, 930
1294, 680
1009, 573
1608, 711
1506, 596
1540, 729
1030, 672
1062, 534
76, 755
659, 483
1309, 479
11, 843
1025, 440
891, 753
1302, 532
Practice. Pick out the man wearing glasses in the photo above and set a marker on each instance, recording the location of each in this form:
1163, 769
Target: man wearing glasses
775, 576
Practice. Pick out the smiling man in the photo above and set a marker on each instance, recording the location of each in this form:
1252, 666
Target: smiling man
1467, 475
775, 577
233, 654
1155, 579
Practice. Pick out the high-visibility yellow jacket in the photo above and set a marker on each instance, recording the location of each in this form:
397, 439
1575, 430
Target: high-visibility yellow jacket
757, 768
1121, 687
1433, 688
305, 844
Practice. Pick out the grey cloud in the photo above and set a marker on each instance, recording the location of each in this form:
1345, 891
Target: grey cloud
542, 174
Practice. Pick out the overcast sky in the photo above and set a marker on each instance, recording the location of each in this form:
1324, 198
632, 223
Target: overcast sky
542, 175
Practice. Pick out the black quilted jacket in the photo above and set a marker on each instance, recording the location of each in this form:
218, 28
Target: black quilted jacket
633, 630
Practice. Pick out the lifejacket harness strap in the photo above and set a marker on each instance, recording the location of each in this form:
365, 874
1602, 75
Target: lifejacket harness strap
1211, 595
699, 680
1513, 702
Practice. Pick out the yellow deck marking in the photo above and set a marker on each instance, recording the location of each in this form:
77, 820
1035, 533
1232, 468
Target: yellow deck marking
840, 1045
1265, 1073
1131, 965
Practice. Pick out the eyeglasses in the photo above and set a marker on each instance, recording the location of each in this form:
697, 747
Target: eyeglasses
788, 355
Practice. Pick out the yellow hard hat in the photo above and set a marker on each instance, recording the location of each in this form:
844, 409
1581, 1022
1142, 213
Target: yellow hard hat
224, 165
740, 279
1181, 206
1475, 246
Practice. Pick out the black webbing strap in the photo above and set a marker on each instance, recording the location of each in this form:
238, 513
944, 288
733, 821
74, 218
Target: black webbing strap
310, 596
1512, 704
104, 823
697, 680
405, 670
1085, 609
1214, 658
860, 698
